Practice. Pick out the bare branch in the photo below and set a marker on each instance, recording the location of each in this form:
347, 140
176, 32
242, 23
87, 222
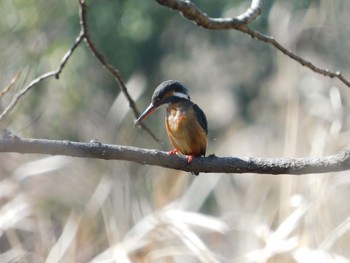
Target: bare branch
193, 13
83, 35
49, 74
69, 53
252, 12
212, 164
114, 72
18, 95
303, 62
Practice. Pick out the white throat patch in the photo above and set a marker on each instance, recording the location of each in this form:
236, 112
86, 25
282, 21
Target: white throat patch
181, 95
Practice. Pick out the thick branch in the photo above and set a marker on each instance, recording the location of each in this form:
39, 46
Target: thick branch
193, 13
212, 164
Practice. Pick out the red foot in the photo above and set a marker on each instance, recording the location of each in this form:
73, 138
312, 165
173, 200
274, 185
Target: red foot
173, 151
189, 158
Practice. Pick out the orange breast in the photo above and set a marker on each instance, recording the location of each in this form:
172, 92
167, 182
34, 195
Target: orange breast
183, 129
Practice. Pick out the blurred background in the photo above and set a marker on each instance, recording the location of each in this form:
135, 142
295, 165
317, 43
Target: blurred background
258, 102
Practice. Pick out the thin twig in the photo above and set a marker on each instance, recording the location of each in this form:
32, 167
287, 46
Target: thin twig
69, 53
270, 40
10, 85
18, 95
54, 73
252, 12
212, 164
193, 13
114, 72
83, 35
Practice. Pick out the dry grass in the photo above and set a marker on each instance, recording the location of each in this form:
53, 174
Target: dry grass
59, 209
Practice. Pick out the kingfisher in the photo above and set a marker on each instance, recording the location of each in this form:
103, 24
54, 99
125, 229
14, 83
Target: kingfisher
186, 124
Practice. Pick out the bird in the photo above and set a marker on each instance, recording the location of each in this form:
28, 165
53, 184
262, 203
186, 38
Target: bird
186, 124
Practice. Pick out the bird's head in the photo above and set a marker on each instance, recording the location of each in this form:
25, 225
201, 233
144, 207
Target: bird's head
167, 92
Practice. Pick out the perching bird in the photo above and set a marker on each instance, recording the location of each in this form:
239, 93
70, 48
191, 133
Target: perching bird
185, 122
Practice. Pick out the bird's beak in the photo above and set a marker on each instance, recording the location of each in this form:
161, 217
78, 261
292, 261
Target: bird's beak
150, 109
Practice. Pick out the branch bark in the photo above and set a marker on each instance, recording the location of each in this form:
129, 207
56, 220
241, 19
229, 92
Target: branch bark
193, 13
210, 164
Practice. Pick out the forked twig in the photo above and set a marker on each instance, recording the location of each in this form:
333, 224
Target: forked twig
83, 35
55, 73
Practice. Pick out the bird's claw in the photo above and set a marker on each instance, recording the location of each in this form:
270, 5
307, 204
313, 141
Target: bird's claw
175, 151
189, 158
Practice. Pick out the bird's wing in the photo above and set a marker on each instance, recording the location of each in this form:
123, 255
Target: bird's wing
202, 119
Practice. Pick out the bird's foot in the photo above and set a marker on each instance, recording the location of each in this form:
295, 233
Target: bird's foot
175, 151
189, 158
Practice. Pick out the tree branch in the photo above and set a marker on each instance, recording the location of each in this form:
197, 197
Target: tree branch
55, 73
83, 35
212, 164
114, 72
193, 13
